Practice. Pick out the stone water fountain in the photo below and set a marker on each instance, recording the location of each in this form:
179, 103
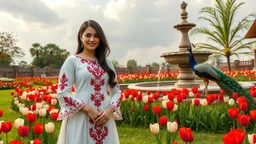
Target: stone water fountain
186, 77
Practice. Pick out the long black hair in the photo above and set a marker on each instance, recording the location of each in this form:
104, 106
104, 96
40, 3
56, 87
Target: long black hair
101, 52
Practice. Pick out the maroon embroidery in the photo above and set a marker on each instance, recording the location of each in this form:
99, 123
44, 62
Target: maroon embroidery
70, 111
97, 82
98, 133
63, 82
70, 102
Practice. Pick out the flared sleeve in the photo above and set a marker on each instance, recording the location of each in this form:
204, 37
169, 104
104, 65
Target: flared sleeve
69, 104
116, 96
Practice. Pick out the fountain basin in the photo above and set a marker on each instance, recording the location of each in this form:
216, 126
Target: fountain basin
168, 85
182, 57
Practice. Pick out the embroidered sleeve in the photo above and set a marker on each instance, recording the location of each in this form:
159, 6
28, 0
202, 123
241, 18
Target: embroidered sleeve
116, 96
69, 104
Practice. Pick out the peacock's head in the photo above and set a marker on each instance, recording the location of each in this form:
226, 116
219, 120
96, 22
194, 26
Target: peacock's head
189, 48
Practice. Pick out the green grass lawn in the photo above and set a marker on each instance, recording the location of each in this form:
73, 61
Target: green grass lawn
127, 134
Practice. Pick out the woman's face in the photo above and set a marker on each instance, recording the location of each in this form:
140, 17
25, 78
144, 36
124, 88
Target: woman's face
90, 39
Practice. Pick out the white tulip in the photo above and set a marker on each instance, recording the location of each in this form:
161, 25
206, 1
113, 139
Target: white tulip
23, 110
172, 127
18, 122
1, 123
175, 108
46, 106
226, 99
54, 111
164, 104
54, 101
154, 128
203, 102
175, 100
16, 102
42, 112
49, 127
165, 98
39, 105
231, 102
1, 142
145, 99
191, 94
250, 138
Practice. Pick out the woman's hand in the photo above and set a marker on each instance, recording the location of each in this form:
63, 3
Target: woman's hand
92, 112
104, 116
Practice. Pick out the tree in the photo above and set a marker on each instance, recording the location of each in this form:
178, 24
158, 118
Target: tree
23, 63
115, 63
154, 64
34, 51
5, 59
8, 48
131, 63
49, 55
223, 31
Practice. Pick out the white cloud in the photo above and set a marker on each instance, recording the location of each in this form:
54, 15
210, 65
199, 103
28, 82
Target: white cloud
137, 29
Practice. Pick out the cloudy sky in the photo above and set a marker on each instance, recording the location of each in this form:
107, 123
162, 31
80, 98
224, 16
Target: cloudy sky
135, 29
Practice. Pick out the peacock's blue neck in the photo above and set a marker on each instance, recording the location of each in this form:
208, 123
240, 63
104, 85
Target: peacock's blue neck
192, 61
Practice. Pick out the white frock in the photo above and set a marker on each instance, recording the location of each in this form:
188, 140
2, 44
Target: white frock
91, 84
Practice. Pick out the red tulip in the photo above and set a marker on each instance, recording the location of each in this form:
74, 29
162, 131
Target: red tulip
148, 92
1, 113
54, 115
6, 127
37, 141
15, 142
174, 142
222, 92
163, 120
194, 90
253, 115
150, 99
38, 129
243, 120
23, 131
241, 100
235, 95
179, 98
170, 105
243, 106
31, 117
235, 136
233, 112
198, 95
186, 134
196, 102
146, 107
133, 110
157, 109
170, 96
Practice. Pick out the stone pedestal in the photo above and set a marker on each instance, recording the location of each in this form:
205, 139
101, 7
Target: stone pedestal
186, 77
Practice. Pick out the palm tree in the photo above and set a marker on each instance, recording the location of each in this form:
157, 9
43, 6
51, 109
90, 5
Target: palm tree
223, 31
34, 51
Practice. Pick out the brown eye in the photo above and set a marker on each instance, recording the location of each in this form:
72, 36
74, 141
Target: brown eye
88, 35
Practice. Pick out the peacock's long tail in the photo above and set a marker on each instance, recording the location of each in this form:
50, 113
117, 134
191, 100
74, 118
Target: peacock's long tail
230, 86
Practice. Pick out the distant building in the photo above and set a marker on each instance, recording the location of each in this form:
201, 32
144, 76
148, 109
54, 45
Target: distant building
252, 34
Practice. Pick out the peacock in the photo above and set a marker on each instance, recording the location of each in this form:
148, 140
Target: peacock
207, 72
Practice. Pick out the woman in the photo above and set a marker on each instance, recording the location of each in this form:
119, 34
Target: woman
88, 117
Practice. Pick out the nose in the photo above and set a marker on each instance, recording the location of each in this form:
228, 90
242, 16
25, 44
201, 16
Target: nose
92, 38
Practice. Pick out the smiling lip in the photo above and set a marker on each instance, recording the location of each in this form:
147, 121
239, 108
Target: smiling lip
92, 44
